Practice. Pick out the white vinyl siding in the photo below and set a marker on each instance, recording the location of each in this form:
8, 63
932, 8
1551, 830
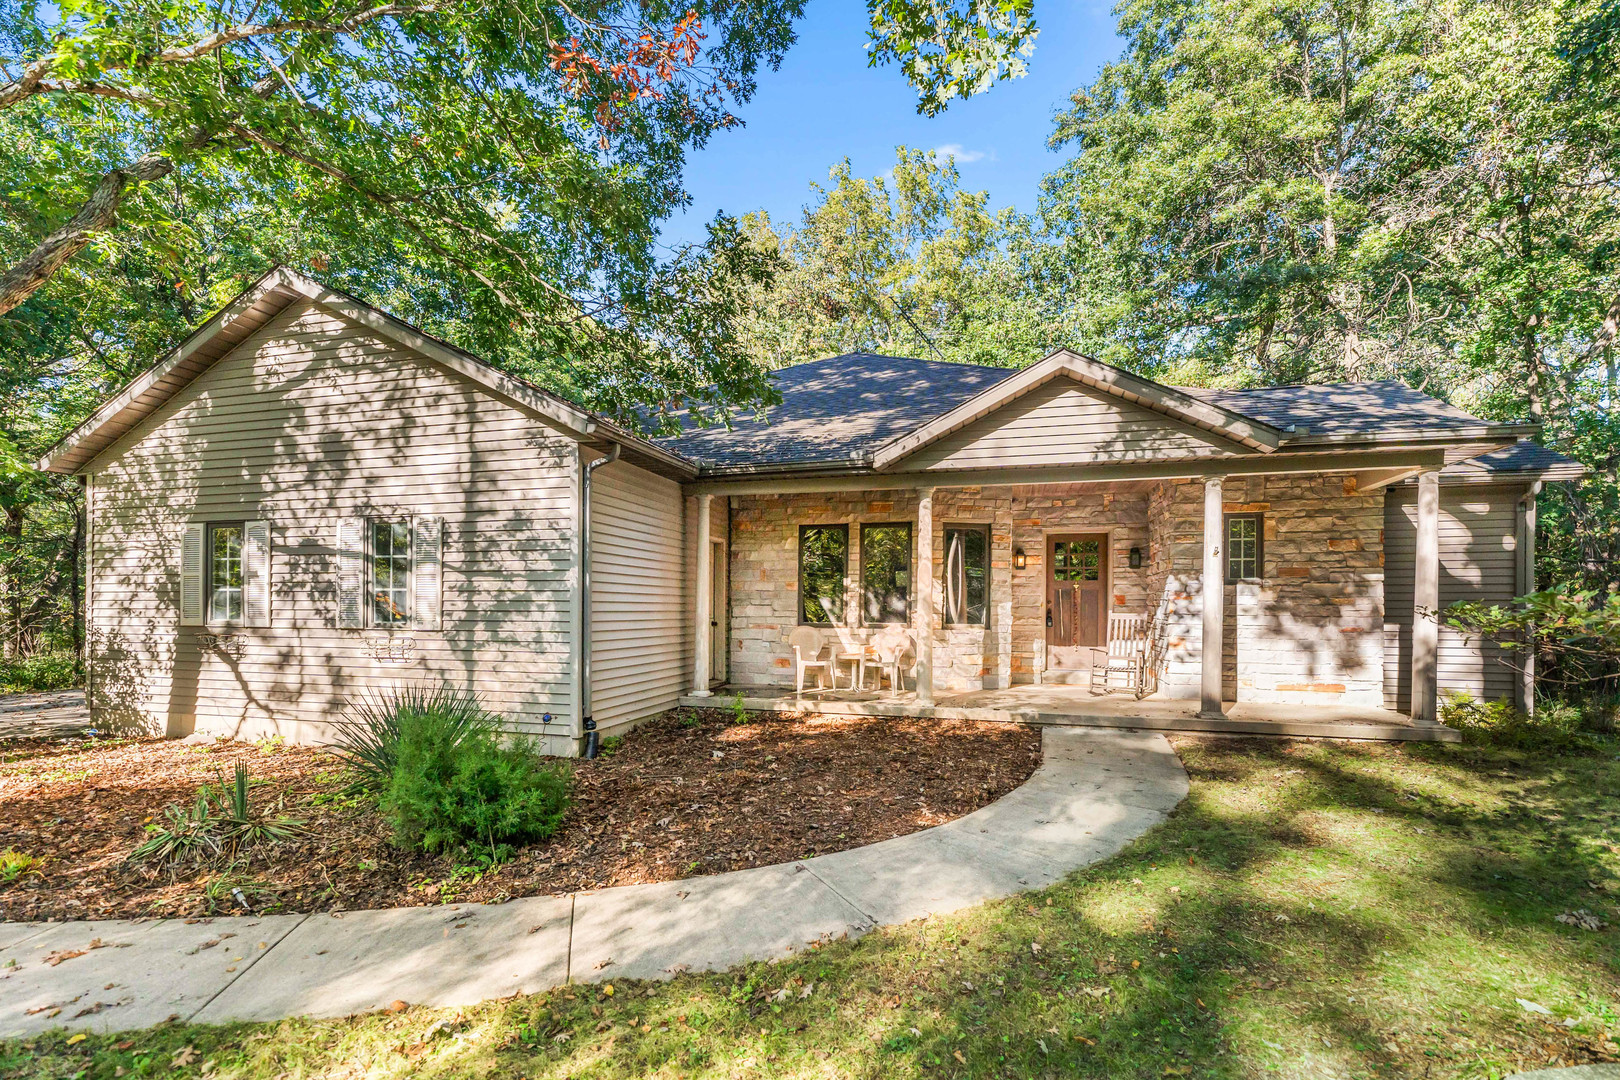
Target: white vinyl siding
1478, 541
642, 612
1062, 423
314, 425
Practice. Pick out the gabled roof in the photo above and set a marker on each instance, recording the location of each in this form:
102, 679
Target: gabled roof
862, 411
1107, 381
263, 301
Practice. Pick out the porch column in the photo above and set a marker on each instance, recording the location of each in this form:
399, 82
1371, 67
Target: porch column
1213, 591
1426, 598
925, 596
705, 599
1524, 693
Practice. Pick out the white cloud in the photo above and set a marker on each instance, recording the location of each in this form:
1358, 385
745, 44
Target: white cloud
957, 153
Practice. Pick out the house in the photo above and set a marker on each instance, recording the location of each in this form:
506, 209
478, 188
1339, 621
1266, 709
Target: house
309, 500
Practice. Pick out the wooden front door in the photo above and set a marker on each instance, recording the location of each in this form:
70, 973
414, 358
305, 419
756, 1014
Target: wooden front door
1076, 598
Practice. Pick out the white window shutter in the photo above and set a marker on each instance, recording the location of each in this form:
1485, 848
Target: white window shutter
256, 573
191, 575
351, 564
427, 572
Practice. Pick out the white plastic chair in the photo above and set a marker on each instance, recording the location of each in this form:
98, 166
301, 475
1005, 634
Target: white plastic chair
807, 643
893, 646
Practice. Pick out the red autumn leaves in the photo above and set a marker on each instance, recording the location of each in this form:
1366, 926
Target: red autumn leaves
633, 66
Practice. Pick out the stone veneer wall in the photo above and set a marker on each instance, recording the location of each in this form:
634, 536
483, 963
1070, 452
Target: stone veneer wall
764, 572
1310, 631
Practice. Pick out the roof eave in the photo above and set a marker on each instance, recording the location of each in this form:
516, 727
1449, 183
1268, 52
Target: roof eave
70, 454
77, 448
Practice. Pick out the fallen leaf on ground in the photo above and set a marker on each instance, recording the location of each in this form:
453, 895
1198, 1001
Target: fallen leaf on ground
1581, 918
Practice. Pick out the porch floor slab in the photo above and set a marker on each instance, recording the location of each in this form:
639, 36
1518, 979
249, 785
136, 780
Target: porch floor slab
1077, 706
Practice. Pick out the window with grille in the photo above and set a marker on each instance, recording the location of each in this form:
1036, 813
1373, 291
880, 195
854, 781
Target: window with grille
390, 573
1077, 560
225, 573
1245, 547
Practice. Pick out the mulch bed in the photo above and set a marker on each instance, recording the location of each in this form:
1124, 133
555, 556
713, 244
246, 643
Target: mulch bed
689, 793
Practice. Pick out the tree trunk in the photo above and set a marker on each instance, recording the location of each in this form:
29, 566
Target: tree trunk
12, 529
97, 214
74, 555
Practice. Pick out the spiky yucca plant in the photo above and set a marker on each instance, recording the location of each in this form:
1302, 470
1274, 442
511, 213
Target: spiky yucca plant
370, 731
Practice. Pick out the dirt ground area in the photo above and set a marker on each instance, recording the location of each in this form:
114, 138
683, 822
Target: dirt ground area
690, 793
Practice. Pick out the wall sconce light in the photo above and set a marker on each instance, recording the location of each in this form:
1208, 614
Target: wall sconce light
1020, 560
1136, 558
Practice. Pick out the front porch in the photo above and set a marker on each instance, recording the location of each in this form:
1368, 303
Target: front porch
1004, 591
1077, 706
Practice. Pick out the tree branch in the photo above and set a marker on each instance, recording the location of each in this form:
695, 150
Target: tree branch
97, 214
32, 80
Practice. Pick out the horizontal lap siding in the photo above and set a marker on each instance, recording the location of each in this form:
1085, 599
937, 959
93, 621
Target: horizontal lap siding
1478, 542
1060, 424
311, 420
641, 621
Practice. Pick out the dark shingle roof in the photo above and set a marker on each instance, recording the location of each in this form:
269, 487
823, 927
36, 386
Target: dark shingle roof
1521, 457
838, 410
1340, 408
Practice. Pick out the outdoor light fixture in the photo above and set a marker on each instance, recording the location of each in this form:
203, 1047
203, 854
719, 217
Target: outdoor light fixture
1020, 560
1136, 558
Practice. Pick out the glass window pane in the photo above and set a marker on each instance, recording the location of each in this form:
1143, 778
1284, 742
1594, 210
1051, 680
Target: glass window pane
390, 572
224, 573
967, 562
885, 573
1243, 547
823, 551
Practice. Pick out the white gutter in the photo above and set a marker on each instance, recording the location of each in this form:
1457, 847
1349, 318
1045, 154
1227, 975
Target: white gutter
585, 586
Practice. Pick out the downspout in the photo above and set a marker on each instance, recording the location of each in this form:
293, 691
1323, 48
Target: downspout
587, 724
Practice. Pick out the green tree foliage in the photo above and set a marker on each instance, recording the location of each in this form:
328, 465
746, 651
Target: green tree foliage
495, 173
953, 48
904, 263
1319, 190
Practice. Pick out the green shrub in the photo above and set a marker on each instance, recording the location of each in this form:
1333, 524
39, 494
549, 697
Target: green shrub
1556, 725
45, 671
369, 735
455, 789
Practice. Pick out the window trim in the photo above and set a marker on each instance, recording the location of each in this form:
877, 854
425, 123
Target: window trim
208, 571
1259, 519
841, 526
369, 572
984, 529
911, 568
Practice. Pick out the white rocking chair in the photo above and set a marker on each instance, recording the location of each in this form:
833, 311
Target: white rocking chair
1124, 658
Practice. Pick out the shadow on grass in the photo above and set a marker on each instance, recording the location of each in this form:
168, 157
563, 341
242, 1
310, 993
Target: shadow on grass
1313, 909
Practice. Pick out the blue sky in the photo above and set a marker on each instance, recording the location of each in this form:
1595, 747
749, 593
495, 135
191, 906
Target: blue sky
826, 104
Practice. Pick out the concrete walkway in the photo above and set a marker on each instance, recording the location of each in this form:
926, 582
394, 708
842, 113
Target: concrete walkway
1094, 792
55, 714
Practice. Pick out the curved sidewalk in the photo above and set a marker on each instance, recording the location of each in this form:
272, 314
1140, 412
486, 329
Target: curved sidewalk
1093, 793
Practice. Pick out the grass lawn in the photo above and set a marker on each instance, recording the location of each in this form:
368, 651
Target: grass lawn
1313, 909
